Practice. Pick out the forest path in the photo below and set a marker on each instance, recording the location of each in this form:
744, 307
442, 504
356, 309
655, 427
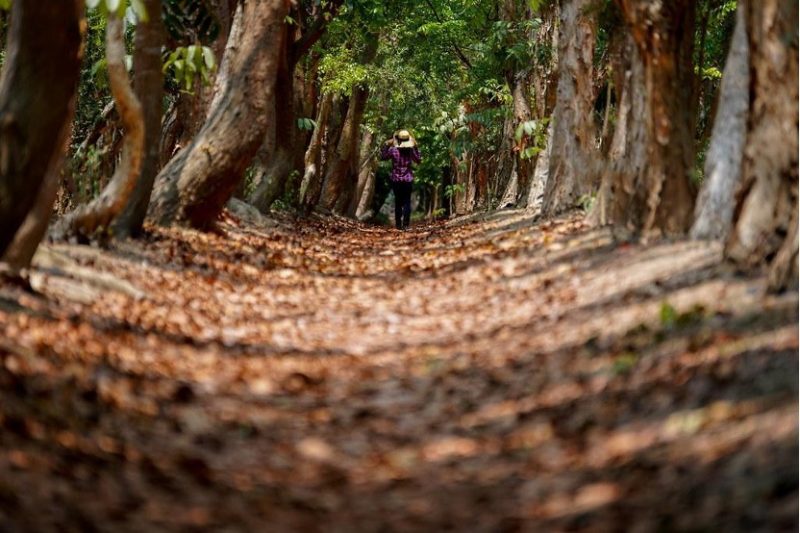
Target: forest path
484, 375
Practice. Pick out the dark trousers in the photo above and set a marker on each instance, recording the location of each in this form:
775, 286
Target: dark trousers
402, 204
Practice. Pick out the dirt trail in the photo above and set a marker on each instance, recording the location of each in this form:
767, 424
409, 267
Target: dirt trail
489, 375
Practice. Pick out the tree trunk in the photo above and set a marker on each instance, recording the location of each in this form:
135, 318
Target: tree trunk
543, 86
39, 81
341, 168
723, 167
195, 185
765, 219
461, 171
571, 160
20, 252
95, 216
540, 176
627, 154
363, 209
330, 140
659, 197
191, 109
275, 158
311, 183
365, 168
520, 168
149, 88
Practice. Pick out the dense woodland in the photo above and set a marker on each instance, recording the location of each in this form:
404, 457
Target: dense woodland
592, 324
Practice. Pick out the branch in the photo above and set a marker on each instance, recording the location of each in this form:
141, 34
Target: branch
314, 32
97, 214
458, 50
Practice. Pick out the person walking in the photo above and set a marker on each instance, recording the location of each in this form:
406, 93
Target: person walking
402, 150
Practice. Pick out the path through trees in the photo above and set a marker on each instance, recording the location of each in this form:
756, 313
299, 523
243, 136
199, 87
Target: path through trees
477, 375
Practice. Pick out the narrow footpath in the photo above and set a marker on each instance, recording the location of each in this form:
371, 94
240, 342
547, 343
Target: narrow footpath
493, 374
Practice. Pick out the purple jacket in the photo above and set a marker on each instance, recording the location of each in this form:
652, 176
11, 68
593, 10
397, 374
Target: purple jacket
401, 164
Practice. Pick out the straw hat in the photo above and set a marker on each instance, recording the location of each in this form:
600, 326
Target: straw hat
404, 139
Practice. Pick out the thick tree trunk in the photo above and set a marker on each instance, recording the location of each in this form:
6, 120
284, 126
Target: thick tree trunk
39, 81
195, 185
661, 193
341, 169
192, 108
149, 88
275, 158
280, 160
95, 216
714, 211
20, 252
342, 165
765, 220
627, 155
572, 157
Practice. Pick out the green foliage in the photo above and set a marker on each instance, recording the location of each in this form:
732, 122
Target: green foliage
186, 63
306, 124
671, 319
131, 9
624, 363
586, 202
452, 190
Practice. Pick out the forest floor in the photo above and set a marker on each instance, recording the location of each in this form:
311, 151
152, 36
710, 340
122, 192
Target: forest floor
492, 374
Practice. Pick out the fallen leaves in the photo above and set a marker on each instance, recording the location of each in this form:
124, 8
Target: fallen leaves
480, 376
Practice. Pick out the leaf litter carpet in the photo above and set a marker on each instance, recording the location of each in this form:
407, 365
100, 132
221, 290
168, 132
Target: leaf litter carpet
493, 374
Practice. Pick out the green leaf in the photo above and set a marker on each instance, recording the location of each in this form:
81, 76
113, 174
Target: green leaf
668, 315
519, 132
190, 53
113, 6
141, 11
208, 58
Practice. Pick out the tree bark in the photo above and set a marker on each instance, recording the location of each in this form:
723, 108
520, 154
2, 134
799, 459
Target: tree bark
646, 188
329, 141
275, 158
38, 84
149, 88
97, 215
281, 156
195, 185
714, 210
627, 154
540, 176
311, 183
365, 201
572, 157
765, 218
364, 170
191, 108
20, 252
341, 168
544, 90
